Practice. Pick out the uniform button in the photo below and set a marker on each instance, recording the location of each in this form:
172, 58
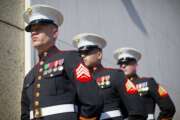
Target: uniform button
41, 62
45, 54
37, 112
37, 94
36, 103
40, 70
131, 78
39, 77
38, 85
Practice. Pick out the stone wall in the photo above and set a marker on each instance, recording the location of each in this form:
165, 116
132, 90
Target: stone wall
11, 58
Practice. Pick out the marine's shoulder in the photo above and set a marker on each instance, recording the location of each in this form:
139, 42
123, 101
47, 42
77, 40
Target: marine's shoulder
30, 76
113, 70
146, 78
149, 79
32, 70
69, 52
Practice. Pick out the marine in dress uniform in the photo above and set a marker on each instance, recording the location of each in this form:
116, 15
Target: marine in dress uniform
149, 90
60, 79
111, 82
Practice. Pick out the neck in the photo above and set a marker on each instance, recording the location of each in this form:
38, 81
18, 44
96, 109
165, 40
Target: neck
97, 67
132, 76
44, 48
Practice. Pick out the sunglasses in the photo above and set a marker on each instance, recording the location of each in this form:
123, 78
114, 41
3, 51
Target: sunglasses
127, 61
88, 50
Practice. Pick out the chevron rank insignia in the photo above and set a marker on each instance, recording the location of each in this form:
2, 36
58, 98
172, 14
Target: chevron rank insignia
162, 91
130, 87
82, 73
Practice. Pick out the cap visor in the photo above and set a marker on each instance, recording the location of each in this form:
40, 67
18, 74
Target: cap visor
39, 21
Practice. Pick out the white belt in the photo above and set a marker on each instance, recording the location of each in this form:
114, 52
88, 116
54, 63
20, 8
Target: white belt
56, 109
150, 117
110, 114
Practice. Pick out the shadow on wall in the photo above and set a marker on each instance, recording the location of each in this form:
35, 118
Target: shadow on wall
134, 16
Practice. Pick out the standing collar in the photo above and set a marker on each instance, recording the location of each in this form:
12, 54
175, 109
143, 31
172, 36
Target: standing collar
98, 68
132, 77
49, 52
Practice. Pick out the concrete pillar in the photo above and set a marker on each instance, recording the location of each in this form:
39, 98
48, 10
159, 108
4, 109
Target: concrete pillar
11, 58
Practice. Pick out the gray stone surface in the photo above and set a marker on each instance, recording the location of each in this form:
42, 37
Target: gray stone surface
11, 11
11, 58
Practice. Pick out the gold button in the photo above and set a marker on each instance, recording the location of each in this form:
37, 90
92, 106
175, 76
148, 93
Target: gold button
45, 54
39, 77
38, 85
40, 70
41, 62
36, 103
36, 112
37, 94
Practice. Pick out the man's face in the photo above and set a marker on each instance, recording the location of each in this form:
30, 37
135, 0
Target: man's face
42, 35
129, 68
92, 58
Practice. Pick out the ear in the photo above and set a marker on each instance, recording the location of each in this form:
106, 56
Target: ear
99, 55
137, 65
55, 33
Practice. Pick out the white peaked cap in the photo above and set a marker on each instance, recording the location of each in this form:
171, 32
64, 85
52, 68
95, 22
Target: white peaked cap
88, 39
43, 12
127, 53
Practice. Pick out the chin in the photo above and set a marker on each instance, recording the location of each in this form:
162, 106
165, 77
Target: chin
37, 45
127, 73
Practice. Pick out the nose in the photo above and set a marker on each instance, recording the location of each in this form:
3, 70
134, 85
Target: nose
33, 33
123, 66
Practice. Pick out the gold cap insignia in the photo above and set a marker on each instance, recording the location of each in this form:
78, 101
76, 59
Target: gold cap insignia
29, 11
